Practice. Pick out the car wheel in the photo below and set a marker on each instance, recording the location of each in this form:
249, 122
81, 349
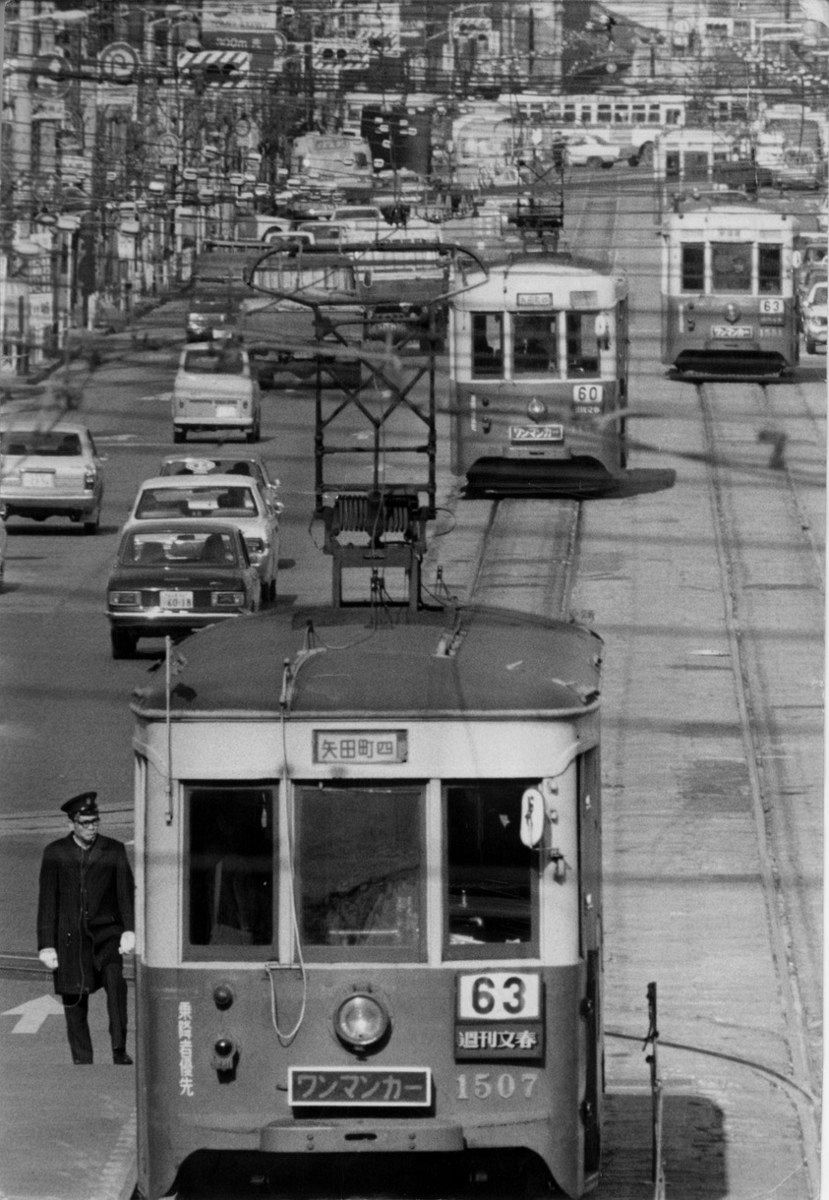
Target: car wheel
594, 162
253, 434
811, 347
123, 643
179, 435
91, 525
272, 591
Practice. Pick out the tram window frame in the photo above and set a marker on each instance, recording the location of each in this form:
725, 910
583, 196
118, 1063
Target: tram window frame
770, 280
415, 950
489, 363
225, 939
692, 267
730, 280
510, 823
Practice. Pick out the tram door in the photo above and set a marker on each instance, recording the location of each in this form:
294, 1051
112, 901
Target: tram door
591, 948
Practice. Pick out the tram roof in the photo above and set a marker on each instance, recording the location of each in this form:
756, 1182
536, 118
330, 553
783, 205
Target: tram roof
355, 663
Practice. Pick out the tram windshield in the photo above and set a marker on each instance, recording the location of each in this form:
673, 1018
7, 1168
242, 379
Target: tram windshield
731, 266
490, 873
360, 870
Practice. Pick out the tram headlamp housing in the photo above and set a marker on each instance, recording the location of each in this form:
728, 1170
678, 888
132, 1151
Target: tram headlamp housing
536, 409
361, 1021
732, 313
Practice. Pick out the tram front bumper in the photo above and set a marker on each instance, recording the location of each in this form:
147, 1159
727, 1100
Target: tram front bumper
367, 1136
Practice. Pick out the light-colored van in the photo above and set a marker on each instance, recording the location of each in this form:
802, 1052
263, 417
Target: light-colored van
214, 389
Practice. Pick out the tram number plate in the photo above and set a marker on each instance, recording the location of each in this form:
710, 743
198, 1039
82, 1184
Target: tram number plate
175, 599
363, 1087
499, 996
731, 333
536, 433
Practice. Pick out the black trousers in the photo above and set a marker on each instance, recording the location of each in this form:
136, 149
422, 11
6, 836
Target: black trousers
76, 1011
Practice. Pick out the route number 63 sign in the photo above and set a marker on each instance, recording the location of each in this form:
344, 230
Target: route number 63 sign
499, 996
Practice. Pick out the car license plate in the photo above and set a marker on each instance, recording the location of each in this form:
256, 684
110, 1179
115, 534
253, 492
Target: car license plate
39, 479
536, 433
175, 599
225, 410
731, 333
384, 1087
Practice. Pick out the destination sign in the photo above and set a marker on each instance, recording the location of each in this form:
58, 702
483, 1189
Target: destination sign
363, 747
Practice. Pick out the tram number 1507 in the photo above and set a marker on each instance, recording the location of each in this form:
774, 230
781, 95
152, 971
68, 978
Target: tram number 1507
499, 996
496, 1085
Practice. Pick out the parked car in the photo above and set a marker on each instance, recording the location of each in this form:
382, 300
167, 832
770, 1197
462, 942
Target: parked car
813, 317
171, 577
185, 464
590, 150
214, 389
4, 541
800, 168
50, 467
233, 498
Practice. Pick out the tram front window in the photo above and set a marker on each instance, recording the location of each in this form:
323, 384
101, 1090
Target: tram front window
770, 270
731, 266
693, 267
487, 346
360, 870
230, 868
534, 340
583, 332
490, 873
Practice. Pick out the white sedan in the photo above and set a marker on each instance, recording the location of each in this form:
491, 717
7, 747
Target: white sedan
233, 498
591, 150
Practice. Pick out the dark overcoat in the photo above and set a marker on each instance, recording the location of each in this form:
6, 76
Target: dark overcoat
85, 902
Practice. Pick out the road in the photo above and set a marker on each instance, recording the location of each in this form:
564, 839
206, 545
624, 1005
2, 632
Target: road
685, 899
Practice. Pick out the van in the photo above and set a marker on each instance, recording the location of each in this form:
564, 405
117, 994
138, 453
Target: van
214, 389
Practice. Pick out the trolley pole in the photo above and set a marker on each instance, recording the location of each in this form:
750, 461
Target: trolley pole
652, 1039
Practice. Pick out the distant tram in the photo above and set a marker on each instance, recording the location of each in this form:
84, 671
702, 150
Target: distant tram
728, 295
369, 910
539, 376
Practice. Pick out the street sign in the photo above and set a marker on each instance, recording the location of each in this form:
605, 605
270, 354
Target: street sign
118, 62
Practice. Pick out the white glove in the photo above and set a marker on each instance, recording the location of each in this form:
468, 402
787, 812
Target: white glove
127, 942
49, 957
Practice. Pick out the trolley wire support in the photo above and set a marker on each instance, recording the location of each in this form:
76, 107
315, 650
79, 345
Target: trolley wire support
652, 1059
385, 319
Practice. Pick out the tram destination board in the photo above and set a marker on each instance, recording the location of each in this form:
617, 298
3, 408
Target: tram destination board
364, 1087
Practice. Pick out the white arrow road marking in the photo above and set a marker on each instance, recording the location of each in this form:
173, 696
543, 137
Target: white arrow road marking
33, 1013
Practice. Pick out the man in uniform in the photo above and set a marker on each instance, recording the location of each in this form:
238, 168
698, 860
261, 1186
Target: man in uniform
85, 923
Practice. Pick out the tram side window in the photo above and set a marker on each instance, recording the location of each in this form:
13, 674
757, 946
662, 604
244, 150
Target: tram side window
582, 342
487, 345
360, 870
490, 872
693, 267
731, 266
230, 867
770, 270
534, 343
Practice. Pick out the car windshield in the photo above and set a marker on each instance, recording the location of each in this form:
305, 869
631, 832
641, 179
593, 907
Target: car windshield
197, 501
41, 443
204, 547
820, 294
212, 361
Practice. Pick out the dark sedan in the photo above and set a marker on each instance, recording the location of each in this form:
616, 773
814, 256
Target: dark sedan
174, 576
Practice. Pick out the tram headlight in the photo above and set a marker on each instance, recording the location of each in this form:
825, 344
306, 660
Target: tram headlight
536, 409
361, 1021
732, 313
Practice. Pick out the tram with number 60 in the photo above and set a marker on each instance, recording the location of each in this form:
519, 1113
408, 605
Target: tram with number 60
369, 905
539, 376
729, 304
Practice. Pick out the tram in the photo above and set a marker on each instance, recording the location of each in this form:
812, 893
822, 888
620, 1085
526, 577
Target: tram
539, 376
369, 904
728, 291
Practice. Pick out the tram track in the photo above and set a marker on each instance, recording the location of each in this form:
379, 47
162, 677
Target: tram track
793, 923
